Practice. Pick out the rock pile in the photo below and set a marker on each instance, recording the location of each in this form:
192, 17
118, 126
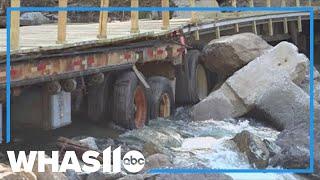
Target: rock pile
241, 92
274, 88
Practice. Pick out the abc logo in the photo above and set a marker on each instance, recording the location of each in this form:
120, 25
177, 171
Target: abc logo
133, 161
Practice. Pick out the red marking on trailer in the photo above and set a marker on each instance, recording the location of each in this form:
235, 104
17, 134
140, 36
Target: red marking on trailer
13, 73
41, 66
150, 52
90, 60
127, 56
160, 51
77, 62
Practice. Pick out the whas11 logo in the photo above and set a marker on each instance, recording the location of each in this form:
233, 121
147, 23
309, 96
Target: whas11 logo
132, 161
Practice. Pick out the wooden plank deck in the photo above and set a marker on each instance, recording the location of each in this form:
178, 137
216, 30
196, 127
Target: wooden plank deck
45, 36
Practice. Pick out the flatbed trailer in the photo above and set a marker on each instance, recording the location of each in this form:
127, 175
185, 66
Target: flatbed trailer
125, 76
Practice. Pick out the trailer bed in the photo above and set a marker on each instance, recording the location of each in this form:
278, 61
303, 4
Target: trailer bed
44, 37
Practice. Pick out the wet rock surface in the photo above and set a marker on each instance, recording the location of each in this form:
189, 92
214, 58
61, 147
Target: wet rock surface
157, 161
7, 174
193, 177
254, 148
295, 145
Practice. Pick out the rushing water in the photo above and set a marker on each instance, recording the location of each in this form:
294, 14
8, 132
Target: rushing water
205, 144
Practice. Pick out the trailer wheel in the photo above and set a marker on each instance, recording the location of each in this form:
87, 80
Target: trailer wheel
130, 102
200, 89
192, 85
198, 82
182, 87
160, 97
99, 98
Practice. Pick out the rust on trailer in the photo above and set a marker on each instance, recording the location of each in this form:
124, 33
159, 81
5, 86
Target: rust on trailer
46, 59
80, 63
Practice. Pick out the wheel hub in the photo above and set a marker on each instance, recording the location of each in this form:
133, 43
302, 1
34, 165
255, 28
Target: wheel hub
165, 106
140, 107
202, 83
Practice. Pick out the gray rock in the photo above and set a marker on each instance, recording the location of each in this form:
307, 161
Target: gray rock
294, 143
157, 161
283, 104
193, 177
72, 175
7, 174
34, 18
238, 95
132, 177
99, 175
254, 148
90, 142
305, 85
155, 136
221, 104
150, 149
48, 174
241, 48
273, 148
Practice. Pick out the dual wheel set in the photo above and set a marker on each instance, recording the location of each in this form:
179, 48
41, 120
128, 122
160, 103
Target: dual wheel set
123, 98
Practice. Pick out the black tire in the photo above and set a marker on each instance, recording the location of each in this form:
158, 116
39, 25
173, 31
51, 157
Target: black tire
198, 84
99, 100
130, 108
186, 86
160, 97
182, 87
197, 46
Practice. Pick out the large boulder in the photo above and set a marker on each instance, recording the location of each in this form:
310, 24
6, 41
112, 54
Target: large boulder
7, 174
254, 148
294, 142
230, 53
222, 103
305, 84
282, 105
239, 93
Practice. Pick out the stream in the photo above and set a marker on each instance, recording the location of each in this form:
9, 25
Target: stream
204, 144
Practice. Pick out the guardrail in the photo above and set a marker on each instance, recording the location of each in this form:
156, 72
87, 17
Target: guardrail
102, 31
